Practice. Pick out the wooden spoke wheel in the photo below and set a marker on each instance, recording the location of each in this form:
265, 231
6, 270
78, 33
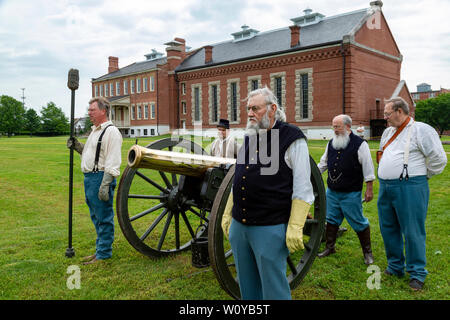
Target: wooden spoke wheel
156, 217
299, 263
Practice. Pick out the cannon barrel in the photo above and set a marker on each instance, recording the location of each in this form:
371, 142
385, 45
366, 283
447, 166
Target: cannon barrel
188, 164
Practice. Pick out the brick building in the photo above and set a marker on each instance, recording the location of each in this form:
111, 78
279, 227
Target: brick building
318, 67
424, 92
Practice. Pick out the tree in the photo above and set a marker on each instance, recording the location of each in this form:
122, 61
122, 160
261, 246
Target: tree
435, 112
54, 121
11, 115
32, 121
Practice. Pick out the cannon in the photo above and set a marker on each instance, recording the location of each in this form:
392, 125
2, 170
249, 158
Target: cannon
173, 193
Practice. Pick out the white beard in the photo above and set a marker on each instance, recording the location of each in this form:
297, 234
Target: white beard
341, 141
252, 128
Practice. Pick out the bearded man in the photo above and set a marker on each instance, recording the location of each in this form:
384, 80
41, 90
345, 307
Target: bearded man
349, 163
270, 200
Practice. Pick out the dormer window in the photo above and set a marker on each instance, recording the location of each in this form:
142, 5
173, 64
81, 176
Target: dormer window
245, 34
308, 18
154, 55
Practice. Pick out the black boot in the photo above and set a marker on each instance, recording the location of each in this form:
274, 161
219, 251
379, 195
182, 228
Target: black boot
330, 236
364, 239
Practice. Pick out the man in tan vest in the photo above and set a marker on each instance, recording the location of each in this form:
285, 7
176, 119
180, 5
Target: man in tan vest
225, 145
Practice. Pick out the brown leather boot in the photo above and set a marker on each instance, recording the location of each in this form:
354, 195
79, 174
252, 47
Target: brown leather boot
330, 236
364, 239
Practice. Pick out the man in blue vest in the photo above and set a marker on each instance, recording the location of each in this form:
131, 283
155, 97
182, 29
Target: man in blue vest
270, 200
349, 163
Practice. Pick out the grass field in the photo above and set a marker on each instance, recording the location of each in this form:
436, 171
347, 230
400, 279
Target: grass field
33, 239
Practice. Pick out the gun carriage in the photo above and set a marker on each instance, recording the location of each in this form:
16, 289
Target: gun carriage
173, 193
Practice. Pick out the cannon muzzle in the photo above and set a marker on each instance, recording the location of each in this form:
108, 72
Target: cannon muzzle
188, 164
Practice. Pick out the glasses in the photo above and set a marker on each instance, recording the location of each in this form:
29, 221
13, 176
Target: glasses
388, 114
254, 109
337, 127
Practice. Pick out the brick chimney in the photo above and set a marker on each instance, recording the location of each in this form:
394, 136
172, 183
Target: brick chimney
208, 54
295, 35
113, 64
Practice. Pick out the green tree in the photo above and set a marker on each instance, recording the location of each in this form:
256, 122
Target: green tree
54, 121
435, 112
11, 115
32, 121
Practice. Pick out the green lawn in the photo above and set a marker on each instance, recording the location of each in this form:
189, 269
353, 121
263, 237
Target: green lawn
33, 239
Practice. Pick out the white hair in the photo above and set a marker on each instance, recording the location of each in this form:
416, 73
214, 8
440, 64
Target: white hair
270, 99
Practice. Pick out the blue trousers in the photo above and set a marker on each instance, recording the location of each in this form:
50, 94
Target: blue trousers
402, 210
102, 213
260, 255
348, 205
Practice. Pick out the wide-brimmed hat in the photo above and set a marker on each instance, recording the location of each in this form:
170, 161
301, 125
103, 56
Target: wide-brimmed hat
224, 123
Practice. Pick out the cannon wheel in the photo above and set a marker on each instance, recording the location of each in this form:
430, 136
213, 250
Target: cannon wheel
148, 207
220, 253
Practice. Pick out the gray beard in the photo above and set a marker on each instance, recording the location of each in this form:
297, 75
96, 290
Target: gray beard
253, 129
340, 142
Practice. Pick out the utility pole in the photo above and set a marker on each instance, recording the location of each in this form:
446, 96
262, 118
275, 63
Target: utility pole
23, 97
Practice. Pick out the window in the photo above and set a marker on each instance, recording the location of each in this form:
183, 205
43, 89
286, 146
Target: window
145, 132
215, 109
234, 101
139, 112
183, 107
106, 90
278, 91
132, 85
96, 91
152, 83
132, 131
139, 85
111, 89
118, 88
183, 88
254, 84
153, 111
304, 90
133, 112
125, 86
145, 84
152, 132
197, 104
146, 111
303, 95
101, 90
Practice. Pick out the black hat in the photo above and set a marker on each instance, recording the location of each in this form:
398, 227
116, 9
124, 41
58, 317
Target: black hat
224, 123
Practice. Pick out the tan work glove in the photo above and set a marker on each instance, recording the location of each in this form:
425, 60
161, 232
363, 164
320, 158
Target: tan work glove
294, 232
73, 143
227, 217
103, 192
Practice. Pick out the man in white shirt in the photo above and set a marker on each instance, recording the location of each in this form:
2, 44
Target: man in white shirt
225, 145
100, 163
266, 212
407, 162
349, 163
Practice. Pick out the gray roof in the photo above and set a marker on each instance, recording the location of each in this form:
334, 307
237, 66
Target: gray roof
137, 67
329, 30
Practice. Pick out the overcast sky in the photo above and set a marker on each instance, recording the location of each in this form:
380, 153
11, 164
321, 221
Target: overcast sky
40, 40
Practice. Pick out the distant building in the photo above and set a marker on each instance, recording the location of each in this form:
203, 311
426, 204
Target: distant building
318, 67
424, 92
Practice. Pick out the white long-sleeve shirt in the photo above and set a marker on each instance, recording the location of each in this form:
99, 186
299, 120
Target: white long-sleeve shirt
110, 152
426, 154
297, 158
364, 158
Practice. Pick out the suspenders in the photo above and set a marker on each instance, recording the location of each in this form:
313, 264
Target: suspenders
97, 153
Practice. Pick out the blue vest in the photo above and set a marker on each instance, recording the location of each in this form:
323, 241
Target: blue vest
344, 170
260, 198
